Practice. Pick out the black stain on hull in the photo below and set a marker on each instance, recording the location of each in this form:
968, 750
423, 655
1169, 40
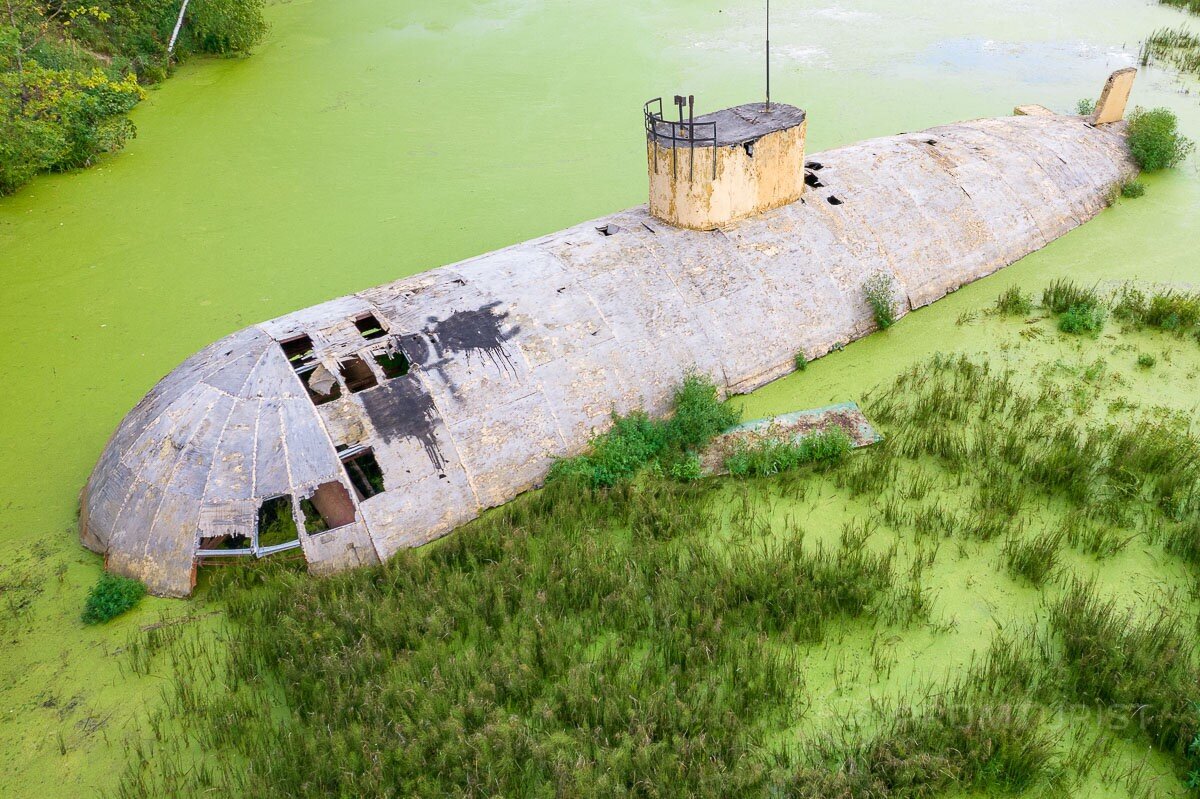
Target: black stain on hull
470, 332
402, 408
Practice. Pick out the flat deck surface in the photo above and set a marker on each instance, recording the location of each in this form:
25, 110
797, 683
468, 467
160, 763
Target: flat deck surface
737, 125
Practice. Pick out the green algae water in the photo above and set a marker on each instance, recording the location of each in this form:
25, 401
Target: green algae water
367, 140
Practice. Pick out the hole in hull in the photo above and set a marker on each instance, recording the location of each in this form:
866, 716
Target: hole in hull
393, 364
299, 352
833, 200
363, 470
369, 327
320, 384
327, 508
276, 522
357, 375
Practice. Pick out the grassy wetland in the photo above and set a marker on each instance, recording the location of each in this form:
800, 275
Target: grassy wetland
1000, 598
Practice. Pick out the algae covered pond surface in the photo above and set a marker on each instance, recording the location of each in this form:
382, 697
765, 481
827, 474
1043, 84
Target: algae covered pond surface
367, 140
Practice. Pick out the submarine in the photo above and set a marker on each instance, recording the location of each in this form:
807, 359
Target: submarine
384, 419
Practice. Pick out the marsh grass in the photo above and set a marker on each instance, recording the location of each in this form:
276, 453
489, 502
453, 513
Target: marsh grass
647, 638
1063, 294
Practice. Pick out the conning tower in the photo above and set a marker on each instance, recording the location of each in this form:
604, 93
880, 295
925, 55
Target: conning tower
708, 171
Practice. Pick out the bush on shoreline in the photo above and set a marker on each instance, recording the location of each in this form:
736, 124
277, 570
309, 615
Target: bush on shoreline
69, 77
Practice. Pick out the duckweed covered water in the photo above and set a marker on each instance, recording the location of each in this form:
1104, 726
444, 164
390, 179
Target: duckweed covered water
368, 140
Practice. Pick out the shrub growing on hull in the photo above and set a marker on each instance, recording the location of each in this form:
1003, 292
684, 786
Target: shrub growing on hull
1155, 140
636, 440
880, 291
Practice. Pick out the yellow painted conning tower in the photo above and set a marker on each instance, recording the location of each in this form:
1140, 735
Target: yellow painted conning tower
711, 170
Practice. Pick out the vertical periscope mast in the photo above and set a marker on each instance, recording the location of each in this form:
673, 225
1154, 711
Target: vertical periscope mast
708, 171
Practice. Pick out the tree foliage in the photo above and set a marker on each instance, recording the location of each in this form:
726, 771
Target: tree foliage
70, 74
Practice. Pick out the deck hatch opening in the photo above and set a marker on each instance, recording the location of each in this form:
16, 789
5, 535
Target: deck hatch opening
299, 352
393, 364
276, 522
815, 166
356, 374
327, 508
235, 544
363, 470
833, 200
608, 230
810, 179
369, 327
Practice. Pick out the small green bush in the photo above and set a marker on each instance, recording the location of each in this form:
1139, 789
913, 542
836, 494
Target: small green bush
1084, 318
687, 468
636, 440
880, 291
111, 596
1146, 360
1085, 107
1132, 189
801, 361
1155, 141
1014, 302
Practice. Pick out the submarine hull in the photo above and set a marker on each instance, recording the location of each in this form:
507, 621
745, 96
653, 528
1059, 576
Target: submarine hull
454, 390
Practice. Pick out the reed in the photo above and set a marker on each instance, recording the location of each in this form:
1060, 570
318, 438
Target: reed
1035, 559
1014, 302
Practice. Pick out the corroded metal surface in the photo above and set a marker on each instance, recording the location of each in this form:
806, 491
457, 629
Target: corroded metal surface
519, 356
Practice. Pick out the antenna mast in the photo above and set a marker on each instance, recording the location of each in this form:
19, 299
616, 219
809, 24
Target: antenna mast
768, 56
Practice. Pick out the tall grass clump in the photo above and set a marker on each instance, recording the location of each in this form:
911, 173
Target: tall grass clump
1155, 141
111, 596
880, 292
1034, 559
635, 440
1014, 302
963, 743
1063, 294
1191, 6
1143, 670
769, 456
1166, 309
1079, 309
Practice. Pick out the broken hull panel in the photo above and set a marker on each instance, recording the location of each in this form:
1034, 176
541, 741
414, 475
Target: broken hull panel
457, 388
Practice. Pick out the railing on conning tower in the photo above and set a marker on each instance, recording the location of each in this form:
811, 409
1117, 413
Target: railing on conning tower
684, 133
